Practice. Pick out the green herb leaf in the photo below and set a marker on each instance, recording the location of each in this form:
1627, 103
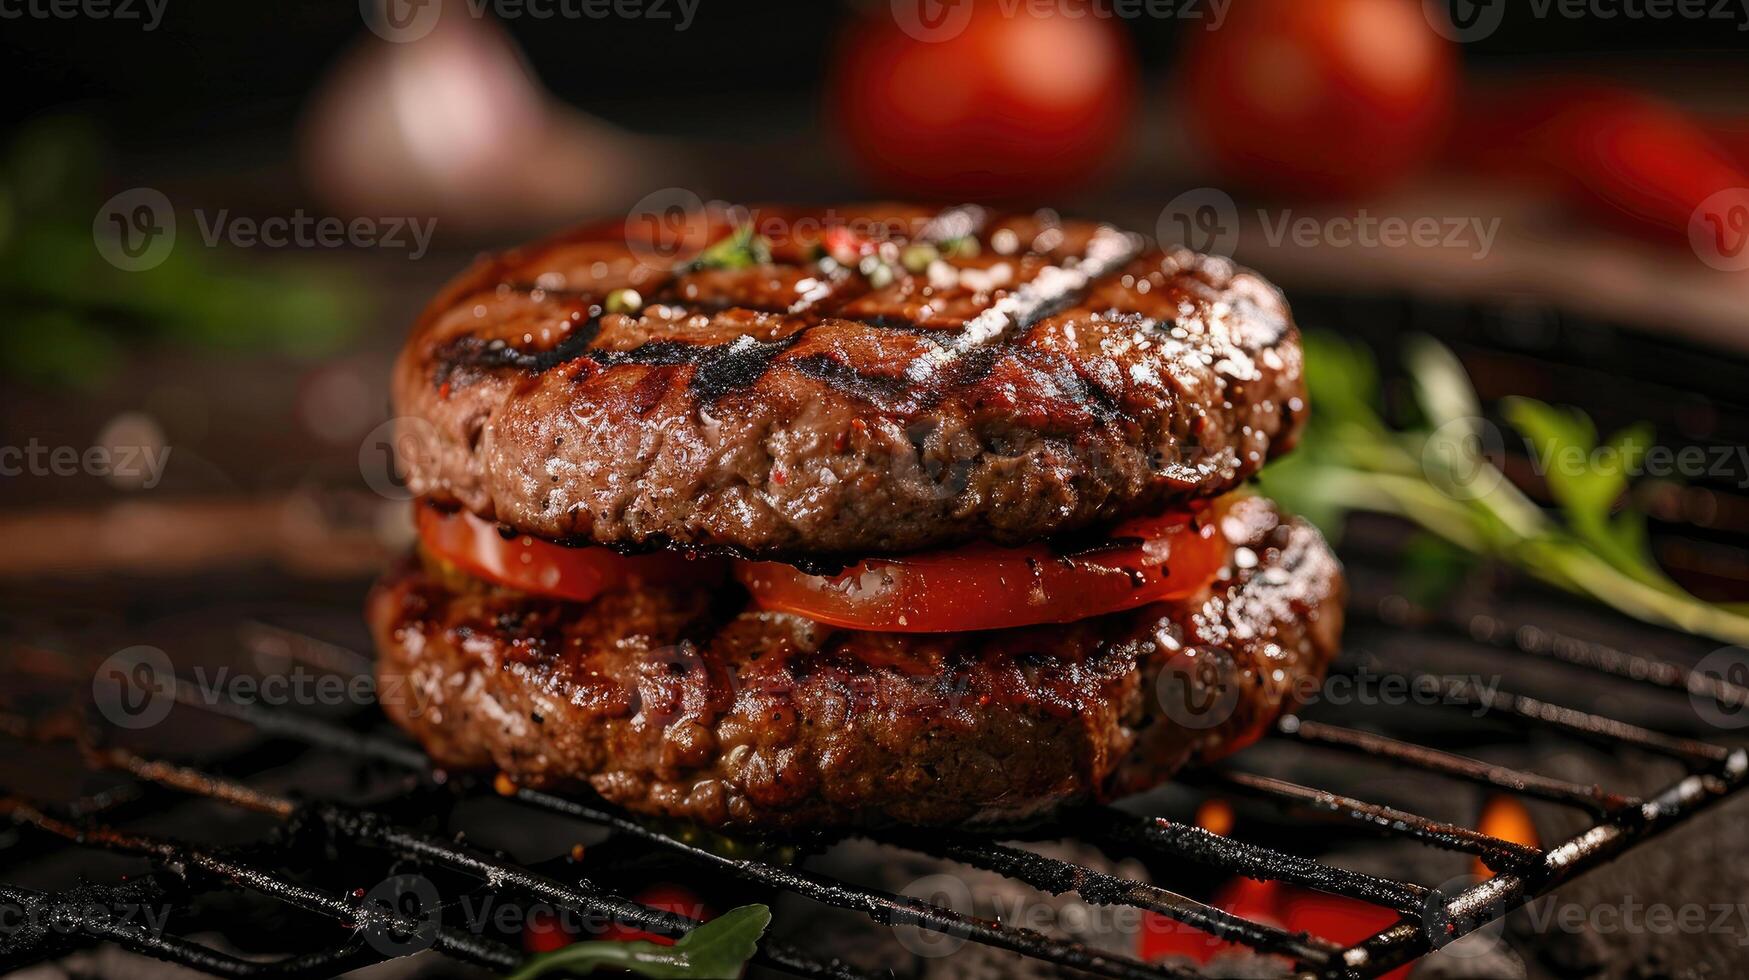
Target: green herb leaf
1587, 481
716, 950
1434, 476
741, 250
959, 247
1441, 386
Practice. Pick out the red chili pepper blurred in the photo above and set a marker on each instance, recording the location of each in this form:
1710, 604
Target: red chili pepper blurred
669, 898
1637, 161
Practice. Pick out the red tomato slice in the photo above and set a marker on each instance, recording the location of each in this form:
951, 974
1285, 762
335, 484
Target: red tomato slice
982, 586
540, 567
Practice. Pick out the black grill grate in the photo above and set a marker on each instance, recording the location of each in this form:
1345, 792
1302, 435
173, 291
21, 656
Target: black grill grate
313, 831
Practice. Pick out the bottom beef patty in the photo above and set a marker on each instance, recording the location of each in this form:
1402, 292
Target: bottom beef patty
680, 700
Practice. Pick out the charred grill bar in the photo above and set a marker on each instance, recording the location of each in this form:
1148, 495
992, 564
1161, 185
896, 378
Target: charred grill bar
312, 830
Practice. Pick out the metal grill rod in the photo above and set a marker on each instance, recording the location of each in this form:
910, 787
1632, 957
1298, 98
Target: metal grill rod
885, 908
1592, 798
1503, 893
1211, 849
1056, 877
1496, 853
190, 859
1463, 693
369, 828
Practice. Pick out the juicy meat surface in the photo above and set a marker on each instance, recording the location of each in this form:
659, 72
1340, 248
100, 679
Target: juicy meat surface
1048, 377
667, 703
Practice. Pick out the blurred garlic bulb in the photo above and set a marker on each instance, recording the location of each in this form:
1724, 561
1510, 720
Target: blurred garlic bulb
453, 125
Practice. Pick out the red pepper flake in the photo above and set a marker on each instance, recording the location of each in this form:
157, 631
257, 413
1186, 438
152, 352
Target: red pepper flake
843, 244
777, 476
443, 392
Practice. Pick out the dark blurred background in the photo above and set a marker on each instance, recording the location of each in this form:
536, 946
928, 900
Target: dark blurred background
193, 419
1563, 157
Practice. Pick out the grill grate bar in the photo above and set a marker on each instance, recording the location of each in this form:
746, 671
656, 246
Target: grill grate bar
74, 911
191, 859
1464, 913
1592, 798
1430, 918
347, 824
1462, 693
882, 907
1496, 853
1054, 876
1542, 641
1213, 850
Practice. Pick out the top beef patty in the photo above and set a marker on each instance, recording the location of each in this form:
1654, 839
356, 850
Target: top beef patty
900, 380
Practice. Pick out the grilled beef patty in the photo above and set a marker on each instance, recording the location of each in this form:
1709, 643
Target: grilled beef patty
667, 703
1056, 378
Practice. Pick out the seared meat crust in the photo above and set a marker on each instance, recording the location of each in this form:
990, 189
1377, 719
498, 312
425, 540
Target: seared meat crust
667, 704
1055, 379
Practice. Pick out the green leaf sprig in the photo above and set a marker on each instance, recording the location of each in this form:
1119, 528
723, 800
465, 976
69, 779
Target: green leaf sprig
1438, 475
742, 249
716, 950
69, 318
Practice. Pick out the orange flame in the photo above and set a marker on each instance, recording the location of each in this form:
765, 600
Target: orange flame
1507, 818
1215, 816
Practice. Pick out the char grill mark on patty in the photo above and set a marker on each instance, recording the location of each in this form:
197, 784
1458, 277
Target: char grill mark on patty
725, 368
1063, 383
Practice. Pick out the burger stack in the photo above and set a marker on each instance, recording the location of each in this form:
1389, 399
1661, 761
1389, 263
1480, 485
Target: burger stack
778, 518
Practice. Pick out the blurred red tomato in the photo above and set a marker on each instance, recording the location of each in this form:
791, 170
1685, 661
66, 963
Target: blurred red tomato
984, 101
1640, 162
1635, 161
1333, 98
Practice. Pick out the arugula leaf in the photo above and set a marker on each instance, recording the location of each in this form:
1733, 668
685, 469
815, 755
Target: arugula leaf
741, 250
715, 950
1441, 386
1437, 476
1586, 481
